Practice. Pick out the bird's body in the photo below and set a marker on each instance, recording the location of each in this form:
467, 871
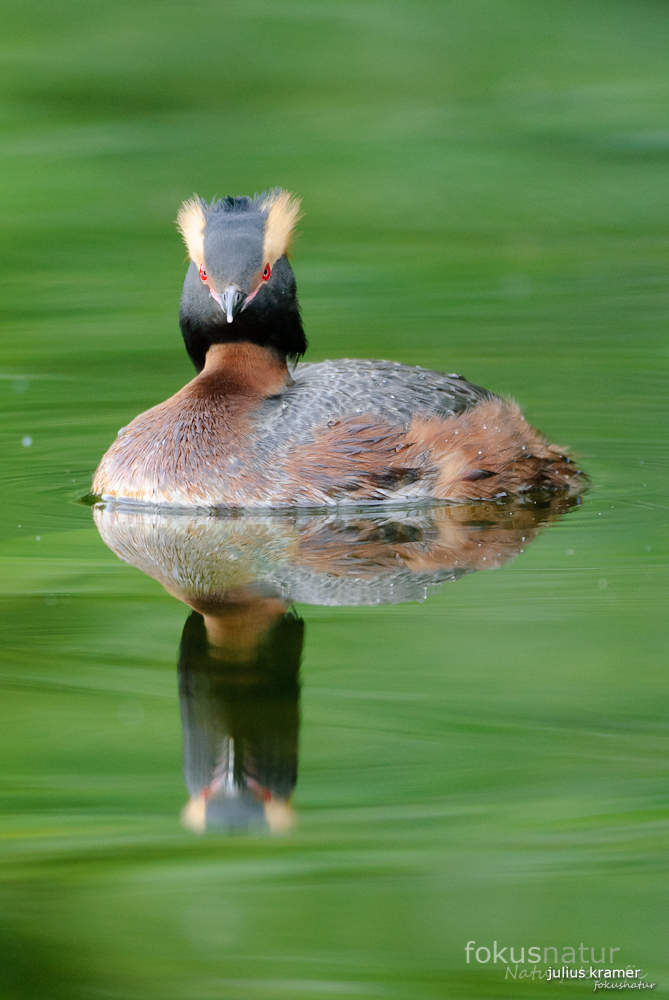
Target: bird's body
247, 432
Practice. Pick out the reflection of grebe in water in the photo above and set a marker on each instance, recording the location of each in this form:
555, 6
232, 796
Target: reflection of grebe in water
239, 694
241, 646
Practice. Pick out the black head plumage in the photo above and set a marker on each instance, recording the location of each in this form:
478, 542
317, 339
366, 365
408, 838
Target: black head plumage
239, 285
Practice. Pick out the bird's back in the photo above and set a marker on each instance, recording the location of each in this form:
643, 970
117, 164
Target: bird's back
364, 392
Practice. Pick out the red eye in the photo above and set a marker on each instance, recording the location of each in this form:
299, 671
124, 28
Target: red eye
266, 273
203, 273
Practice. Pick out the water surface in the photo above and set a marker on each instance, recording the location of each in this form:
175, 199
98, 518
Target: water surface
484, 193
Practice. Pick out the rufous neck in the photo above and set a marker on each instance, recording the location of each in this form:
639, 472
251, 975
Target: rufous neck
247, 367
236, 630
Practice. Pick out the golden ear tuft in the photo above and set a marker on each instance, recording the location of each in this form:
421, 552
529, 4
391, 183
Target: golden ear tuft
194, 815
279, 815
191, 221
283, 213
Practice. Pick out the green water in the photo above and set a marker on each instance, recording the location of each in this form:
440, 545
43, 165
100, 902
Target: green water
485, 192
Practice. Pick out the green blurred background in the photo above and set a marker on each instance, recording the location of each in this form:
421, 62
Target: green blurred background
484, 185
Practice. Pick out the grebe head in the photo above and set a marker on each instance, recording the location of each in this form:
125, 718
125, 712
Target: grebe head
239, 284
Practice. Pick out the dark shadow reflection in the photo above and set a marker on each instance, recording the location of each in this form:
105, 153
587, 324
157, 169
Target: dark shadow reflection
239, 693
242, 644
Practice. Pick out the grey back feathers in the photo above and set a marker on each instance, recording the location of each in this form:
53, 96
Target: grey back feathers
371, 391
